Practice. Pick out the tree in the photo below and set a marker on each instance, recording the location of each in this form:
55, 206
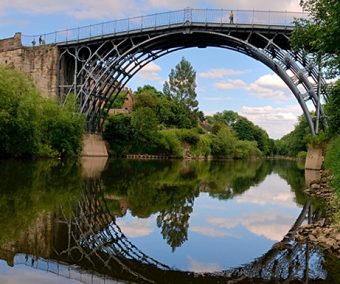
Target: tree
144, 124
182, 84
319, 33
332, 110
118, 131
31, 126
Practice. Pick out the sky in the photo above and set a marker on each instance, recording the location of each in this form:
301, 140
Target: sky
226, 80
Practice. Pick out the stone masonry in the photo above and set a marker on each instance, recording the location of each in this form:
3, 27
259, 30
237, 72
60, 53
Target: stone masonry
39, 62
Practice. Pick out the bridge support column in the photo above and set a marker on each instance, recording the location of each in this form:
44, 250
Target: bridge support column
94, 146
314, 159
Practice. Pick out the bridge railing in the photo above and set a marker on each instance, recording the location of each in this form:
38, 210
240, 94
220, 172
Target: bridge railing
161, 20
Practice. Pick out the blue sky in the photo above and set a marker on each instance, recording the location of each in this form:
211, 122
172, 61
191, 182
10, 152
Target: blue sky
225, 79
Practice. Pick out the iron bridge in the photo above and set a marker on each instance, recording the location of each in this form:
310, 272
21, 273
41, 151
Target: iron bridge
97, 61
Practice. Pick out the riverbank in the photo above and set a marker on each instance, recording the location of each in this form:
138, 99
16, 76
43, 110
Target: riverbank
325, 232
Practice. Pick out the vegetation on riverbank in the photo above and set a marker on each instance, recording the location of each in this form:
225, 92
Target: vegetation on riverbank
332, 163
169, 123
319, 36
32, 126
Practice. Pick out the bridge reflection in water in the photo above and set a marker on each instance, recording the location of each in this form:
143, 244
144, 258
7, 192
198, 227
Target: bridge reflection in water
86, 244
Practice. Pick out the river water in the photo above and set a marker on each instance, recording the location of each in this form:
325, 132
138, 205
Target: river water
126, 221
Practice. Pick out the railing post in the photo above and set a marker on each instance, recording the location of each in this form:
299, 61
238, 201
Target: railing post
252, 20
102, 29
90, 31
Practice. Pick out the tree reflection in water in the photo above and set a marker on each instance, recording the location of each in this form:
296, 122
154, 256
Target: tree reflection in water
87, 235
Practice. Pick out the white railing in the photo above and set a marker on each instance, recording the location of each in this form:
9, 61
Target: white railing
167, 19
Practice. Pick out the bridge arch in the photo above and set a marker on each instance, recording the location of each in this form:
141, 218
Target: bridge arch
110, 63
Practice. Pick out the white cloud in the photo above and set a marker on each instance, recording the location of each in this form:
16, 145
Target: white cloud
136, 227
110, 9
150, 72
276, 121
283, 5
197, 266
219, 73
211, 232
231, 84
268, 86
272, 191
272, 225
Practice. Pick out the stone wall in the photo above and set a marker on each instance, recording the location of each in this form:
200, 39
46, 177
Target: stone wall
39, 62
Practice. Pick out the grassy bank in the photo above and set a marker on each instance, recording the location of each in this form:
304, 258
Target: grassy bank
332, 164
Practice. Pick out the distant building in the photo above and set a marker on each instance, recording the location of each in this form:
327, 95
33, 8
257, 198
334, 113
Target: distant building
127, 105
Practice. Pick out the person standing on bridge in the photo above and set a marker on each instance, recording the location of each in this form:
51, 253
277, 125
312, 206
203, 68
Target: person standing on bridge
231, 17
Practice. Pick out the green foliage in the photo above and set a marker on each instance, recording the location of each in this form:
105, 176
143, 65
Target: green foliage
246, 149
62, 129
31, 126
223, 143
320, 32
332, 108
332, 162
182, 84
302, 155
203, 146
169, 144
296, 141
144, 123
119, 99
118, 132
180, 90
244, 130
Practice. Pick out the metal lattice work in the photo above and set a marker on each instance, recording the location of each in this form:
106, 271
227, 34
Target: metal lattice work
96, 69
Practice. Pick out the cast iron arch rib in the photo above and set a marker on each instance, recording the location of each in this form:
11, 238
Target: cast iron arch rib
113, 62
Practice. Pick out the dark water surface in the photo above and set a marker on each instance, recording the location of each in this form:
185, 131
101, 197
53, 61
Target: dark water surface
123, 221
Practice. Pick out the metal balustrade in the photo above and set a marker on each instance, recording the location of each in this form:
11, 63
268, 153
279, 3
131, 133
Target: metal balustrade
167, 19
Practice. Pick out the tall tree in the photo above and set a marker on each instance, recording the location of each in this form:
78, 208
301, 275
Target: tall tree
319, 33
182, 84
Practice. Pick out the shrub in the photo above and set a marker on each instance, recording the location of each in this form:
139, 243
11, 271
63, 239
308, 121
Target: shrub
203, 147
169, 143
332, 162
246, 149
302, 155
223, 143
32, 126
189, 136
118, 132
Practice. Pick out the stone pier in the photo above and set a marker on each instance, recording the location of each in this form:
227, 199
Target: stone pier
94, 146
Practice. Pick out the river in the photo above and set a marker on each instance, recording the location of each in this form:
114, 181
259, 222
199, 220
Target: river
132, 221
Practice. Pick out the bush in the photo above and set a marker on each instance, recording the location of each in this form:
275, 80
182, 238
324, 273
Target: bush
223, 143
118, 132
169, 144
302, 155
203, 147
332, 162
31, 126
189, 136
246, 149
